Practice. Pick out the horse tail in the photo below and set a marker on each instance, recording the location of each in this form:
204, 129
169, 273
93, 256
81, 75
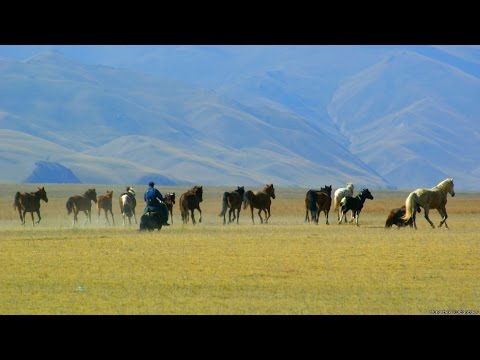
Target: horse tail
69, 206
312, 200
16, 201
224, 204
411, 204
247, 199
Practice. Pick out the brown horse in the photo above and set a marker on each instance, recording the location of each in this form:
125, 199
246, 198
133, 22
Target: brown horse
105, 202
29, 202
260, 200
169, 201
232, 200
316, 201
190, 201
77, 203
128, 203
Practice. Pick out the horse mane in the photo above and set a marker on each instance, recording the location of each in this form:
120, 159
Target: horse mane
445, 185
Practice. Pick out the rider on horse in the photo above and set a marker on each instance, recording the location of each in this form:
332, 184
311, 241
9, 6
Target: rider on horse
155, 202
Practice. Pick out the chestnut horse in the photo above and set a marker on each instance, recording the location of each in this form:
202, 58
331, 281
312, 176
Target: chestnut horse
105, 202
29, 202
77, 203
169, 201
260, 200
191, 200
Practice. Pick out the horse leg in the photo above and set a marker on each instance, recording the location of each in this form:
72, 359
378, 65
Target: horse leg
39, 217
171, 216
260, 214
443, 214
23, 217
193, 216
20, 214
33, 219
357, 215
326, 216
268, 210
200, 219
251, 210
238, 215
307, 218
113, 220
341, 219
428, 219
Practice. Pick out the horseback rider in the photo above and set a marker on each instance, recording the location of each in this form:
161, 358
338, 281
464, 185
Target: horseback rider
155, 202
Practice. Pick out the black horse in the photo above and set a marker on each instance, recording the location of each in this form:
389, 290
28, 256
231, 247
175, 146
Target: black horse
151, 220
355, 204
232, 200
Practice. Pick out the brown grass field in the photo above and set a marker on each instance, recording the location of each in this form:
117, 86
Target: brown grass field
284, 267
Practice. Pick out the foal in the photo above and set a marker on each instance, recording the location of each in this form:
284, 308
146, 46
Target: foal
355, 204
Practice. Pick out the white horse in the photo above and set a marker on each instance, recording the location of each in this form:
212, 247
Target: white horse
434, 198
339, 195
127, 205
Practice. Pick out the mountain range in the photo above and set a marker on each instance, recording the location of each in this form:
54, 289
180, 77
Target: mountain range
296, 116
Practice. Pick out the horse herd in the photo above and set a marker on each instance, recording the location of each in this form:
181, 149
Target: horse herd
316, 201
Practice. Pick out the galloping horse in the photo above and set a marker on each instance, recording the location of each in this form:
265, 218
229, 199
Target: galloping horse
232, 200
169, 201
260, 200
29, 202
339, 195
316, 201
434, 198
191, 200
128, 203
77, 203
355, 204
105, 202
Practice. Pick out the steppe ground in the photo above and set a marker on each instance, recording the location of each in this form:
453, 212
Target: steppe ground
283, 267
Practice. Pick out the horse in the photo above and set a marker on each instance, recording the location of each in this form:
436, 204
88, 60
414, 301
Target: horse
232, 200
169, 201
29, 202
395, 218
339, 195
105, 202
260, 200
316, 201
77, 203
434, 198
128, 203
355, 204
191, 200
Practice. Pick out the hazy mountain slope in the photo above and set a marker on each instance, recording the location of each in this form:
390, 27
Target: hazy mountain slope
231, 115
85, 108
419, 112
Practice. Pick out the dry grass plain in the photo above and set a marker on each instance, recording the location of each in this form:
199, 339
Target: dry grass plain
284, 267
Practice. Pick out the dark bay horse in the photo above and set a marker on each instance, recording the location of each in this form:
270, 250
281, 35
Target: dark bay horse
191, 200
395, 218
105, 202
260, 200
29, 202
355, 204
317, 201
232, 200
77, 203
434, 198
128, 203
169, 201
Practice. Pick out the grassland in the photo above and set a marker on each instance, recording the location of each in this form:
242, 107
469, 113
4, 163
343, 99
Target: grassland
284, 267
